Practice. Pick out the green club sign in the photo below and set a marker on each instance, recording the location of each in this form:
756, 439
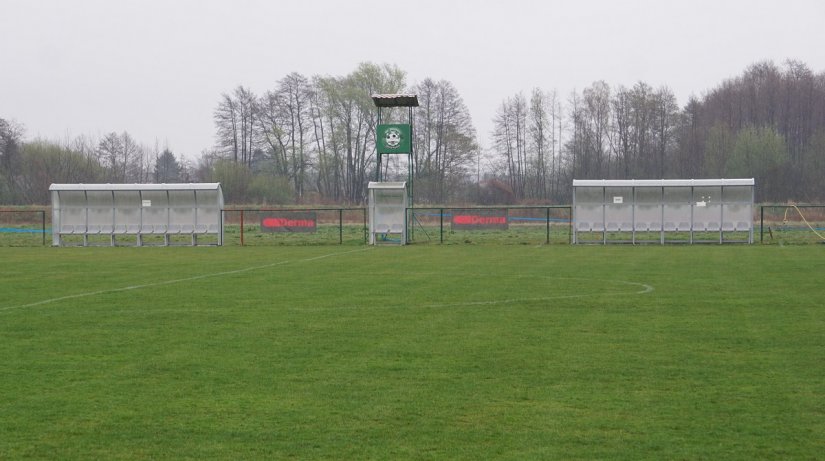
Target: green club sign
394, 139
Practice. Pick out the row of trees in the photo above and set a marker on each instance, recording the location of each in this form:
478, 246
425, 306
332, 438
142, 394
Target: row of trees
28, 168
308, 140
601, 132
311, 140
316, 135
527, 145
313, 134
768, 123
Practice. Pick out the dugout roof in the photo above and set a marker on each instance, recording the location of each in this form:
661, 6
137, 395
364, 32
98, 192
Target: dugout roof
136, 187
661, 182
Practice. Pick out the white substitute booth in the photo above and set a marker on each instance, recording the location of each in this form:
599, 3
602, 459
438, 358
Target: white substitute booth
663, 210
388, 202
160, 213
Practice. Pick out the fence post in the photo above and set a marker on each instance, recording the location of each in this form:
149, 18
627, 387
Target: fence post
547, 221
340, 226
441, 224
761, 223
43, 225
241, 227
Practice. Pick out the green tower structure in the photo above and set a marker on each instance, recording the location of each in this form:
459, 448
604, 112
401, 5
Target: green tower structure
395, 138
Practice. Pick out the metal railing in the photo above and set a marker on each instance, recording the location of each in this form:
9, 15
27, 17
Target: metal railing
21, 227
791, 223
503, 224
294, 226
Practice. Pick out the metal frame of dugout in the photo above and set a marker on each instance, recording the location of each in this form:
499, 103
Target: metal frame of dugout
663, 211
137, 211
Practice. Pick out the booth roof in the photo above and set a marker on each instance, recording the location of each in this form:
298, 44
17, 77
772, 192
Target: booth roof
395, 100
661, 182
386, 185
107, 187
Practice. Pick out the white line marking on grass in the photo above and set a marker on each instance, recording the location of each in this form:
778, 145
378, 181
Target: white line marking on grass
315, 258
170, 282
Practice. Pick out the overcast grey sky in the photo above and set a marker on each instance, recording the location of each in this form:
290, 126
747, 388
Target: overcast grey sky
156, 68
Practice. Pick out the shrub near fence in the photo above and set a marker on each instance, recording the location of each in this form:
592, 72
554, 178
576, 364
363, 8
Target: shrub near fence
290, 226
22, 227
533, 225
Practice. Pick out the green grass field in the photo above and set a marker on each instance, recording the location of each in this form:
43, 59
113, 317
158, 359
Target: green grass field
419, 352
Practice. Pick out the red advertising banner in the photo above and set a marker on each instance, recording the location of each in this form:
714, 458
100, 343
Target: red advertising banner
480, 219
289, 221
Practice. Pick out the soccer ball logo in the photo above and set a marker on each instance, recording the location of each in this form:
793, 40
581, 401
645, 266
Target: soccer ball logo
392, 138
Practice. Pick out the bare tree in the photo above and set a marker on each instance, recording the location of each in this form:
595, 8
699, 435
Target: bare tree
665, 117
690, 136
136, 160
622, 138
122, 157
596, 100
273, 135
445, 141
510, 141
350, 119
109, 154
247, 111
541, 139
11, 137
227, 123
293, 95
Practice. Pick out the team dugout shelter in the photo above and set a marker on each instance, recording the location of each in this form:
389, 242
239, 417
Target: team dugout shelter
388, 203
136, 214
663, 211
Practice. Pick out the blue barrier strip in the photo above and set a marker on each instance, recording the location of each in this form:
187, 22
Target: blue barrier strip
800, 228
517, 218
17, 230
511, 218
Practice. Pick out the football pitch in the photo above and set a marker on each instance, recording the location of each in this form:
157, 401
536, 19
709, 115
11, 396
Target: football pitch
419, 352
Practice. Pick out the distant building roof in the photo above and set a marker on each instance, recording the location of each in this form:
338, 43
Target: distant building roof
395, 100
